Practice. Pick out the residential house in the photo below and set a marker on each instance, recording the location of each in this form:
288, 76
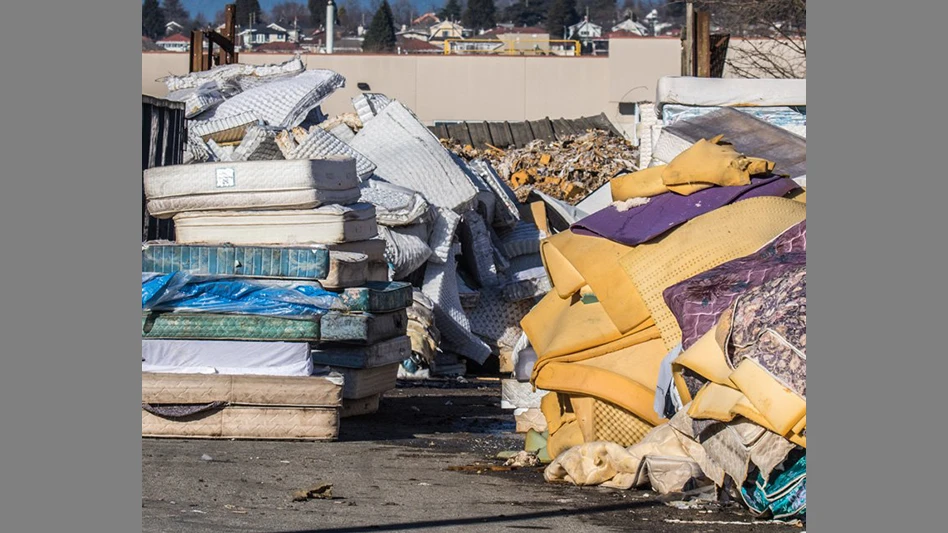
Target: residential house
261, 34
409, 45
522, 40
172, 27
584, 30
175, 43
445, 30
419, 33
632, 26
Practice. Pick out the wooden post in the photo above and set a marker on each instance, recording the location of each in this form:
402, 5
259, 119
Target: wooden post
197, 51
688, 41
230, 31
703, 44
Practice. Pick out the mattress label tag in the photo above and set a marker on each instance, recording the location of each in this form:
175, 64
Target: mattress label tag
225, 177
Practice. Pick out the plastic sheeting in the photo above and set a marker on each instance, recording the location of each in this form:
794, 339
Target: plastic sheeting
180, 291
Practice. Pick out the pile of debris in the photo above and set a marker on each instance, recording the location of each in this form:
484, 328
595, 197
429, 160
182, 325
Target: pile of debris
670, 351
420, 245
567, 169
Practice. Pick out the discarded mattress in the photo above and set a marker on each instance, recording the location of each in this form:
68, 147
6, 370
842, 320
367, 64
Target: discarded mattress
360, 406
712, 92
506, 213
346, 269
392, 351
251, 407
227, 327
373, 248
523, 240
526, 279
298, 262
790, 119
328, 224
283, 103
378, 297
477, 250
226, 357
409, 155
749, 135
367, 105
517, 395
318, 143
258, 144
497, 321
225, 73
406, 248
365, 382
223, 130
362, 328
394, 205
249, 185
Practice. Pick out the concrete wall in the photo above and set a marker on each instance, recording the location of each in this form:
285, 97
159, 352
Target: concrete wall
481, 87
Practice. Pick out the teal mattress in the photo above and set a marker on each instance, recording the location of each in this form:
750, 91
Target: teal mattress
227, 327
378, 297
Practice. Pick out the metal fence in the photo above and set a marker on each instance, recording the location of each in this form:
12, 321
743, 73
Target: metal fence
163, 133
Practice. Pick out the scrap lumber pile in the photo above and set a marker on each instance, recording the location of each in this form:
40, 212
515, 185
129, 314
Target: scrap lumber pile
567, 169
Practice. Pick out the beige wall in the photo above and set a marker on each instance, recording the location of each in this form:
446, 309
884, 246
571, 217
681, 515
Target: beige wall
481, 87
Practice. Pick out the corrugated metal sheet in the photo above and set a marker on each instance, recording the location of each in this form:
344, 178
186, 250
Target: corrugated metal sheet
519, 134
163, 134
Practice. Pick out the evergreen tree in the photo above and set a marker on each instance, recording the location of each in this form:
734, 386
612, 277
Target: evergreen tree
451, 11
199, 22
380, 37
244, 10
176, 12
479, 15
317, 12
562, 15
153, 19
527, 12
601, 12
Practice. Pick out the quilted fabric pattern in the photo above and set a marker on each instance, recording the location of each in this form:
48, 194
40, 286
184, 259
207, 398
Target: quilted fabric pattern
362, 328
224, 129
506, 213
346, 269
405, 248
318, 143
224, 327
524, 239
394, 205
362, 382
614, 424
288, 423
409, 155
367, 105
246, 185
388, 352
442, 235
302, 262
223, 73
478, 252
378, 297
297, 391
498, 321
283, 103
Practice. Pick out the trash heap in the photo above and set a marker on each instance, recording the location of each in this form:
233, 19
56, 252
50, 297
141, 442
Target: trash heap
673, 340
446, 259
567, 169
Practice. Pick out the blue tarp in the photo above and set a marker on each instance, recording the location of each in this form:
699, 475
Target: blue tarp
180, 291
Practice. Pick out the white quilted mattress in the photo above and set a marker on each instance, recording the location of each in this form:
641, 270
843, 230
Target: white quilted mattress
524, 239
394, 205
226, 357
373, 248
407, 154
283, 103
515, 395
250, 185
329, 224
318, 143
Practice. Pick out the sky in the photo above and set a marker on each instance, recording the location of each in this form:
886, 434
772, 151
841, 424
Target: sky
209, 7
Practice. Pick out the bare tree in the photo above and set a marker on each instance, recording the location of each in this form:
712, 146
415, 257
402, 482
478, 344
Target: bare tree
771, 36
403, 11
286, 12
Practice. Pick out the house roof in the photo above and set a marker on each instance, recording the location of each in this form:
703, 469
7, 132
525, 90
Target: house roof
415, 45
622, 34
262, 28
523, 30
175, 38
427, 17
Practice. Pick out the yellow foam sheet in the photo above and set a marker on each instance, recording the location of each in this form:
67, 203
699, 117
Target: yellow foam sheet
708, 163
570, 330
596, 263
626, 378
644, 183
701, 244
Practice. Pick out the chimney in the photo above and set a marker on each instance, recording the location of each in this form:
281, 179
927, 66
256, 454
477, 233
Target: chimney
330, 25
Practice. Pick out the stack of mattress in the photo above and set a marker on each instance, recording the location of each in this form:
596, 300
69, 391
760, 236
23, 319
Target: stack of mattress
525, 403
